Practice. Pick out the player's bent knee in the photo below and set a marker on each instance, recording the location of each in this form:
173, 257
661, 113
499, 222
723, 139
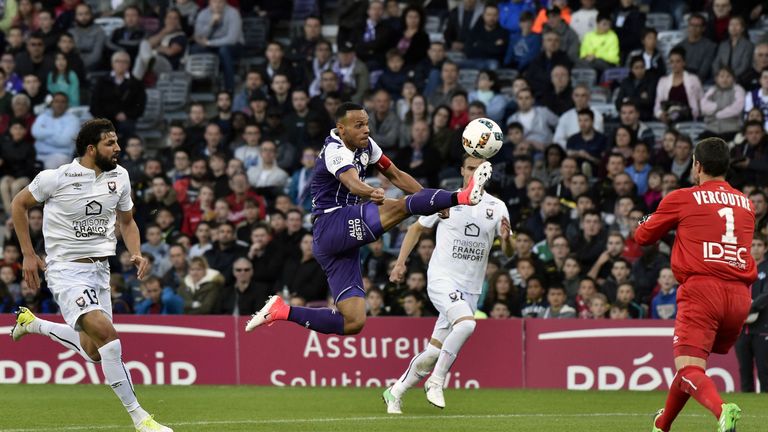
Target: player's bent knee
354, 326
465, 326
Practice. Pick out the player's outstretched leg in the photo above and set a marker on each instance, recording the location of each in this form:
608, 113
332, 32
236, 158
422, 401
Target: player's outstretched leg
321, 320
103, 335
28, 323
461, 330
692, 381
419, 367
729, 416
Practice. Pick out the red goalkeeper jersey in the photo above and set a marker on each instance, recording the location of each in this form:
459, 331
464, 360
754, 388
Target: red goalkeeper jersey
714, 223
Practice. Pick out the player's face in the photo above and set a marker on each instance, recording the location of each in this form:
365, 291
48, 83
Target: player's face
106, 151
353, 129
468, 168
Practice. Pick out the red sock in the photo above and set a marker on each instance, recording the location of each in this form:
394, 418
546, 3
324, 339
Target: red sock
696, 383
676, 400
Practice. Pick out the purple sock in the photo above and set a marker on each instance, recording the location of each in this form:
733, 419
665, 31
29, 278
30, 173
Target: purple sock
430, 201
321, 320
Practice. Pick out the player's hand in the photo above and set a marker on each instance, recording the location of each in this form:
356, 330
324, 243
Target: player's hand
506, 228
142, 266
398, 273
444, 213
31, 270
377, 196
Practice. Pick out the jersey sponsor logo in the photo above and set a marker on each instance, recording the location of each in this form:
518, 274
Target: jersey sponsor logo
355, 229
725, 253
469, 250
112, 187
93, 208
74, 174
472, 230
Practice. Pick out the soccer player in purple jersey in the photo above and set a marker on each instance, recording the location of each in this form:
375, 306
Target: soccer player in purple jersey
342, 224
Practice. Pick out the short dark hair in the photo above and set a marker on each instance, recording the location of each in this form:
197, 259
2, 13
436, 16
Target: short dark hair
345, 107
515, 125
525, 16
91, 133
586, 112
649, 30
556, 287
677, 50
712, 153
753, 123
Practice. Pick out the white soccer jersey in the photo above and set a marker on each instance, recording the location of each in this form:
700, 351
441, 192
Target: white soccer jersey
80, 210
464, 241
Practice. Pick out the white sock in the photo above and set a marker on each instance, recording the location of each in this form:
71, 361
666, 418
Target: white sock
61, 333
420, 366
459, 334
120, 380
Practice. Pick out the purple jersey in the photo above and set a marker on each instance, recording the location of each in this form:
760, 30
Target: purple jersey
328, 193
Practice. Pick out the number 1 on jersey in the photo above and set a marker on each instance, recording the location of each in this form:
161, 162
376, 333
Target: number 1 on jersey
728, 237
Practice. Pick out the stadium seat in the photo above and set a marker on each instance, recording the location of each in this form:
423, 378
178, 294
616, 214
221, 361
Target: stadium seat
82, 112
599, 95
302, 9
255, 34
174, 90
583, 76
615, 75
203, 67
436, 37
456, 57
608, 110
658, 129
659, 20
150, 124
467, 78
757, 36
109, 24
433, 24
506, 76
692, 129
330, 32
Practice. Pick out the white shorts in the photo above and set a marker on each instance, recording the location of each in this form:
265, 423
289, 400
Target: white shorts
452, 303
79, 288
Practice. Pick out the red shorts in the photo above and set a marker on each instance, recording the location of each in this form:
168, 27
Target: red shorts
710, 315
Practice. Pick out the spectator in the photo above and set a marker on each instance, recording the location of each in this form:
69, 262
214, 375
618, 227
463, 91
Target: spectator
17, 163
303, 275
244, 296
267, 174
569, 40
315, 73
537, 121
449, 74
267, 257
201, 288
414, 42
509, 13
66, 46
590, 243
558, 97
13, 83
487, 43
374, 302
719, 21
541, 17
373, 39
304, 48
36, 300
352, 73
461, 20
699, 49
600, 48
722, 105
413, 304
664, 305
158, 300
219, 29
640, 167
34, 61
203, 240
618, 311
681, 162
625, 295
62, 79
535, 303
584, 20
628, 22
653, 60
14, 39
677, 94
757, 99
598, 306
164, 49
620, 274
603, 267
568, 124
128, 37
735, 52
47, 31
428, 71
55, 132
384, 123
188, 187
750, 159
177, 256
34, 90
419, 159
500, 311
558, 308
156, 247
629, 115
588, 145
225, 250
488, 93
299, 184
200, 210
89, 39
758, 199
119, 86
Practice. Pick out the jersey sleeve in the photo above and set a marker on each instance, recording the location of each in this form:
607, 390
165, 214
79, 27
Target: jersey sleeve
376, 152
429, 221
658, 224
338, 159
44, 185
125, 203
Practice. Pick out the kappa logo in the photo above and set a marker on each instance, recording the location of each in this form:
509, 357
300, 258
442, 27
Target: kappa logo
80, 302
93, 208
112, 187
472, 230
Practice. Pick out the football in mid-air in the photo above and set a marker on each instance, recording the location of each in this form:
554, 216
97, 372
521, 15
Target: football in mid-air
482, 138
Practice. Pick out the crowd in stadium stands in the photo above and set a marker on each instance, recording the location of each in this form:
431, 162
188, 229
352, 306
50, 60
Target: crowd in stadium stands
601, 103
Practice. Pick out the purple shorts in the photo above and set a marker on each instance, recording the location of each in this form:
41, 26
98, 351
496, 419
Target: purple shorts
336, 245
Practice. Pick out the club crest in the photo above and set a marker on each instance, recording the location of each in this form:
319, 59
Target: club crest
112, 186
489, 213
80, 302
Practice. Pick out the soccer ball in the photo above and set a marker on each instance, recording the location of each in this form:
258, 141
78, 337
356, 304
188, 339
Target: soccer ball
482, 138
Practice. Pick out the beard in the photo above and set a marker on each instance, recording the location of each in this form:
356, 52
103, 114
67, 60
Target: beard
105, 163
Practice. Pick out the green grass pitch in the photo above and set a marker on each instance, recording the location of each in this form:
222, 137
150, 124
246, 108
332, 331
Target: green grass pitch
33, 408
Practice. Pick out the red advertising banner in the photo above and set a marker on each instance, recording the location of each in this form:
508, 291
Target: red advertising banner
610, 355
178, 350
288, 355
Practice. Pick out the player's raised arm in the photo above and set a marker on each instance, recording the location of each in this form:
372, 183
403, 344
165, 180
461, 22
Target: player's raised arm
351, 180
410, 240
20, 206
654, 226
